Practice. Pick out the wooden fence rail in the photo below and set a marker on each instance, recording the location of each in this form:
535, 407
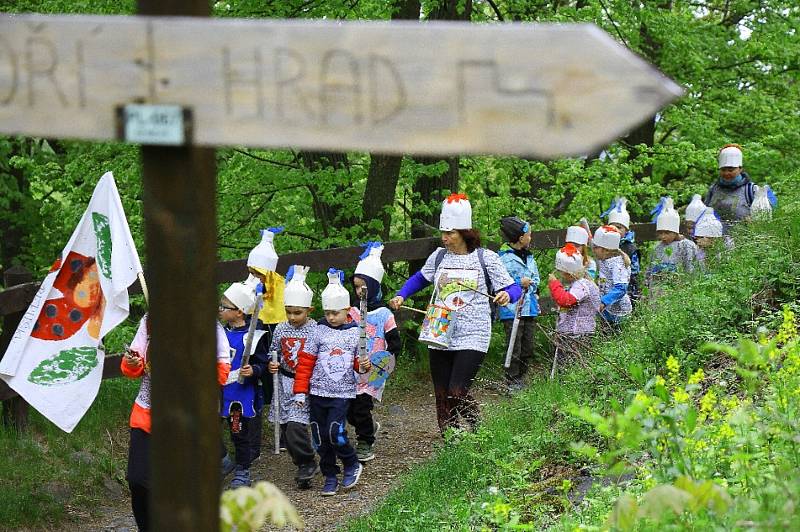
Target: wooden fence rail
15, 299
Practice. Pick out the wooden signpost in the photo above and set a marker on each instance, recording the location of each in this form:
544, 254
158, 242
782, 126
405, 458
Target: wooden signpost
536, 90
180, 86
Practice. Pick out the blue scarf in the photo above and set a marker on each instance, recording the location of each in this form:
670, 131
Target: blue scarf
736, 182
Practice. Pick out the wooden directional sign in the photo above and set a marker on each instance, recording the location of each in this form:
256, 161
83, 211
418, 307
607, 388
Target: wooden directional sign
538, 90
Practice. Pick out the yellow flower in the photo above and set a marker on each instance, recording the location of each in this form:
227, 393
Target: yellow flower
641, 398
697, 377
708, 401
680, 395
725, 432
660, 381
673, 368
729, 403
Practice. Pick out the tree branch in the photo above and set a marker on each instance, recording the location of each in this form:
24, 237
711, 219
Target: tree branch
496, 10
264, 159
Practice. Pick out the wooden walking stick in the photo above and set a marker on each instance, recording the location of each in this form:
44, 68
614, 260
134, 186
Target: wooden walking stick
514, 326
251, 331
276, 404
363, 356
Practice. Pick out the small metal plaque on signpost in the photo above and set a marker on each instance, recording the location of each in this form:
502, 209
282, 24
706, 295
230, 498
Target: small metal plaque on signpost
160, 125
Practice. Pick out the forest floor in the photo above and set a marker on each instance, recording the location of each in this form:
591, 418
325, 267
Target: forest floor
408, 436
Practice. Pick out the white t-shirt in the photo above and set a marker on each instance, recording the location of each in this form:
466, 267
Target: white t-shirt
472, 324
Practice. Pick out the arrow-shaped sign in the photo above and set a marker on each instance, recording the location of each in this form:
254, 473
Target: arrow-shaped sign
537, 90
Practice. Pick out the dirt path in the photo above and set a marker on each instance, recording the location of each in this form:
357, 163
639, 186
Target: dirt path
407, 437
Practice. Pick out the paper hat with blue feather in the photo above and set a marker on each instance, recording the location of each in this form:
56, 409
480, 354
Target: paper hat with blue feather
665, 216
263, 257
335, 296
708, 224
695, 208
370, 263
297, 293
618, 213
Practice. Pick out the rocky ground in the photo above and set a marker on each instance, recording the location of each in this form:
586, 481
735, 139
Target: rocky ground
407, 437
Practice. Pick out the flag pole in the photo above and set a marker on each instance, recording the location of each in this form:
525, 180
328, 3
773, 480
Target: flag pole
143, 284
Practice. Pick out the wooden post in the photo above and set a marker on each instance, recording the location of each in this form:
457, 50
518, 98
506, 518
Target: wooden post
180, 230
15, 410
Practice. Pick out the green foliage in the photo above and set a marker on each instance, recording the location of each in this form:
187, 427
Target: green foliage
247, 509
513, 472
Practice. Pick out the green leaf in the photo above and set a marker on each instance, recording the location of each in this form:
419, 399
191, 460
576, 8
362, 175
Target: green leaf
65, 367
662, 499
690, 418
102, 231
623, 515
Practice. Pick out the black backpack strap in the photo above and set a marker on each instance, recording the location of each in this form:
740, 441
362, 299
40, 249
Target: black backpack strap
749, 193
438, 261
485, 271
710, 194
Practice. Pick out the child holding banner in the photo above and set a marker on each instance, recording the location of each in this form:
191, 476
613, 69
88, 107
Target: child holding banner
292, 339
383, 345
136, 364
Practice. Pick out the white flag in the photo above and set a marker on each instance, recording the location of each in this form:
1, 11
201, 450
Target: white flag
53, 360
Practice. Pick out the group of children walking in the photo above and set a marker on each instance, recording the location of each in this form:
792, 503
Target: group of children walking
607, 289
326, 377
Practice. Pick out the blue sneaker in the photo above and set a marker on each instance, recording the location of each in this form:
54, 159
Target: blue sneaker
227, 466
330, 487
240, 478
351, 475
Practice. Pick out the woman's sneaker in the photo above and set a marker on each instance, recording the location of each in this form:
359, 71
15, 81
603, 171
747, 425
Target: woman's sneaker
330, 487
351, 475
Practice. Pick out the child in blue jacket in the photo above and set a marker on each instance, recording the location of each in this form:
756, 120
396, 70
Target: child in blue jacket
521, 265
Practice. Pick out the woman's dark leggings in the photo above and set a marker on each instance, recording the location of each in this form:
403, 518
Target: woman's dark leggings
452, 373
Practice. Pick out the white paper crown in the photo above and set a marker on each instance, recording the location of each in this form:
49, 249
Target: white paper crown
297, 293
243, 296
577, 235
456, 213
668, 218
761, 207
695, 208
730, 156
607, 237
263, 256
335, 296
569, 260
708, 225
370, 263
619, 213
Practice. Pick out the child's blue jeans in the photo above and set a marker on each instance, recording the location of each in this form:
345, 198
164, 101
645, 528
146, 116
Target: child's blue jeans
328, 434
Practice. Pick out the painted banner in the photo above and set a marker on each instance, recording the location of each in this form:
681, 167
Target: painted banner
54, 361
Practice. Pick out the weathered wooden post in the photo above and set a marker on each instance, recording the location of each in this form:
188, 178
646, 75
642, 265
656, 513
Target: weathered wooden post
179, 204
15, 410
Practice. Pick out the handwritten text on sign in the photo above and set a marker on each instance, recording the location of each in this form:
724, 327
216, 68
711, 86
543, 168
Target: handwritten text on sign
435, 88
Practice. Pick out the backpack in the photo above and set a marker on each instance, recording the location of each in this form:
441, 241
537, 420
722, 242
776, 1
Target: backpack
492, 305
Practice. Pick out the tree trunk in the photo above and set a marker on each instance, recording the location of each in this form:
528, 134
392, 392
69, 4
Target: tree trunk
645, 133
428, 189
384, 170
329, 215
